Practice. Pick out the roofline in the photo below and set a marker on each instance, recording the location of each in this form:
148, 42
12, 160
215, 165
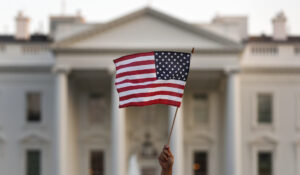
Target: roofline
155, 13
134, 50
33, 39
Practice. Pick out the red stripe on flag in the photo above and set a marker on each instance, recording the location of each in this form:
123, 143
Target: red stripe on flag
150, 86
150, 94
139, 63
127, 57
136, 72
151, 102
143, 80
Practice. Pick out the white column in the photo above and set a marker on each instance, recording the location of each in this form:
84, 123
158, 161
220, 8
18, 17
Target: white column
118, 135
62, 122
176, 143
298, 157
232, 138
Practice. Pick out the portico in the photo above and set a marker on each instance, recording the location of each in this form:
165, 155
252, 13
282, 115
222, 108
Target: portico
85, 71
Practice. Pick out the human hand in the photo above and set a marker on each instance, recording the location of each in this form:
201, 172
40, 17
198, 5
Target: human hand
166, 160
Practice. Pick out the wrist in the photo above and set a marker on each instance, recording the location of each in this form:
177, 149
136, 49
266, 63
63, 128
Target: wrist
167, 171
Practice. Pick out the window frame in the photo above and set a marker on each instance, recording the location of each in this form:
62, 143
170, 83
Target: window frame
41, 121
202, 127
90, 158
35, 144
86, 125
271, 110
258, 160
207, 161
104, 113
263, 126
202, 145
39, 163
263, 146
208, 108
94, 144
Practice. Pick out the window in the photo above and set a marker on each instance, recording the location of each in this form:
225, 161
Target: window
96, 163
33, 162
97, 108
33, 106
201, 108
264, 108
200, 165
264, 163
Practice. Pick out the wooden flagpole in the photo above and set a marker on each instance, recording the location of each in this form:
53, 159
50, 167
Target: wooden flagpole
174, 118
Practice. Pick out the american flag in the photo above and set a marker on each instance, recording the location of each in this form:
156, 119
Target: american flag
152, 78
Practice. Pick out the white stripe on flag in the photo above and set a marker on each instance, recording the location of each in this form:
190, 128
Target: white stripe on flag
134, 77
144, 99
133, 68
147, 90
180, 82
141, 58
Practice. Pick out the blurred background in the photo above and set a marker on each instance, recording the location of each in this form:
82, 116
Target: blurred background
59, 110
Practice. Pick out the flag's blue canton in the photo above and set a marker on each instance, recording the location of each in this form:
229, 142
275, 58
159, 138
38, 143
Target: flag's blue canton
172, 65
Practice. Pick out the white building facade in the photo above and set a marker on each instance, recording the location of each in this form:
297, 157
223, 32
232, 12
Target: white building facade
59, 107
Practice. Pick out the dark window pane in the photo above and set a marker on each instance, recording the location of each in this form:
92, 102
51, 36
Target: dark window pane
200, 165
265, 163
33, 162
97, 163
33, 100
265, 108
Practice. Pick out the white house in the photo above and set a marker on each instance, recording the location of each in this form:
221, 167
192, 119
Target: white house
59, 107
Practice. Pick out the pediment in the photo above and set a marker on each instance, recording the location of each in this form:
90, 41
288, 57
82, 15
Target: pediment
200, 138
34, 137
264, 139
95, 138
146, 29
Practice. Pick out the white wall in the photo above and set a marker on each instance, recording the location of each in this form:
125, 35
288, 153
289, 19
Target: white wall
18, 134
281, 136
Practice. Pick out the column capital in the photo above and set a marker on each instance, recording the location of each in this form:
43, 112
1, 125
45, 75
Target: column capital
231, 70
61, 69
111, 70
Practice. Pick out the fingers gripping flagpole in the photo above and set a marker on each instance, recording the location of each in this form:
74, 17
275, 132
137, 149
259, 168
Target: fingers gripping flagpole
174, 118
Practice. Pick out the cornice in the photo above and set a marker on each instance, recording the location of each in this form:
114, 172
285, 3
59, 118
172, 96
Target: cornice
122, 50
34, 136
18, 68
151, 12
264, 139
273, 70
